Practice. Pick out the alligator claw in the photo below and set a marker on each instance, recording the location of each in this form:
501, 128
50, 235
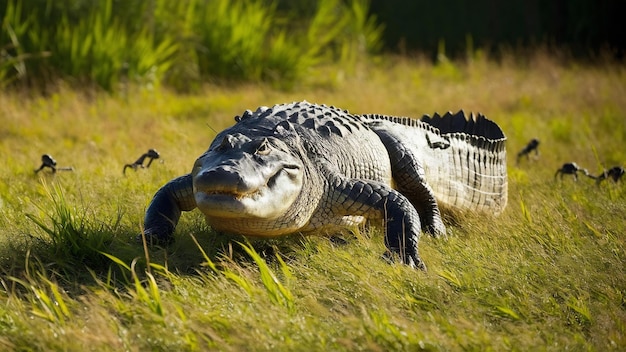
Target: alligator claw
153, 239
436, 230
415, 263
412, 261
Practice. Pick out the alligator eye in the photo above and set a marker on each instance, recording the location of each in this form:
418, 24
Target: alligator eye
264, 148
197, 165
228, 142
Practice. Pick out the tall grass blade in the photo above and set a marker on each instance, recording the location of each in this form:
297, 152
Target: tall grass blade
593, 230
45, 297
117, 261
73, 239
207, 261
278, 293
239, 280
583, 314
284, 268
451, 278
525, 211
507, 312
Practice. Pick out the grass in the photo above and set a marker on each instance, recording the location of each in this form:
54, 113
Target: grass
180, 44
548, 274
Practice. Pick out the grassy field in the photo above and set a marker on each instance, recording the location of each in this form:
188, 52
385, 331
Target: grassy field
548, 274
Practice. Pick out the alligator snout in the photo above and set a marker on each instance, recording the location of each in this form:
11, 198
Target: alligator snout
226, 179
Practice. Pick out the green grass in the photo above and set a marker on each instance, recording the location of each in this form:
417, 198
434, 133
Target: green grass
110, 45
548, 274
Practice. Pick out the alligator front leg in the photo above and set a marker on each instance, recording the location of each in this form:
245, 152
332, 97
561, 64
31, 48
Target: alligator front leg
164, 211
408, 174
375, 200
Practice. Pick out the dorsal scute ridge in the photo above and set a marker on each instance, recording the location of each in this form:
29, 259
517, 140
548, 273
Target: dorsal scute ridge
402, 120
473, 128
473, 124
326, 120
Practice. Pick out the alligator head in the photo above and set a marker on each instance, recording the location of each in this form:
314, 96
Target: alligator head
242, 178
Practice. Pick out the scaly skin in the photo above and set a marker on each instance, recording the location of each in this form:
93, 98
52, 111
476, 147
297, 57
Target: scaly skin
307, 168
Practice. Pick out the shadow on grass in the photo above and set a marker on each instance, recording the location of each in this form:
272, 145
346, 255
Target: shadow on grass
74, 250
77, 251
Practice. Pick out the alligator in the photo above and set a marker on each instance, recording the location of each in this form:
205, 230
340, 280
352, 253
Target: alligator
306, 168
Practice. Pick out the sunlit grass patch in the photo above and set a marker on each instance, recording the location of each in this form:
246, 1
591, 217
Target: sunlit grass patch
72, 238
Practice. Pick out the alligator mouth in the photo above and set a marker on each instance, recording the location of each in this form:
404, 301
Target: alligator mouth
271, 182
269, 199
223, 203
230, 194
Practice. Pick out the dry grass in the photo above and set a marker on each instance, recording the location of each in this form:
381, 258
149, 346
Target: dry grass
547, 274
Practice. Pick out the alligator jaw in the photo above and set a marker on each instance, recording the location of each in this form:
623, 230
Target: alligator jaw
270, 200
220, 204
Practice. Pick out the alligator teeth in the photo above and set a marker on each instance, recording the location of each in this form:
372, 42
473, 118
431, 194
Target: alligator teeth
222, 193
238, 196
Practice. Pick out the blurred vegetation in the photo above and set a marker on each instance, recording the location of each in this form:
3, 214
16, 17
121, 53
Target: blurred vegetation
182, 44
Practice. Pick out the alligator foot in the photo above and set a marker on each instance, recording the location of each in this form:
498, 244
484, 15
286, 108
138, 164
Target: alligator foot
437, 229
153, 240
413, 261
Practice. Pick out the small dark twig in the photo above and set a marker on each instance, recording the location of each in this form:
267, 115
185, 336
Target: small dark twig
151, 155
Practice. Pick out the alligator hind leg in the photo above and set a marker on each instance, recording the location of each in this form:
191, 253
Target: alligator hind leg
375, 200
408, 174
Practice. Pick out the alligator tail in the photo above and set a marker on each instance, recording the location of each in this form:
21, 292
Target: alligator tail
470, 172
463, 156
